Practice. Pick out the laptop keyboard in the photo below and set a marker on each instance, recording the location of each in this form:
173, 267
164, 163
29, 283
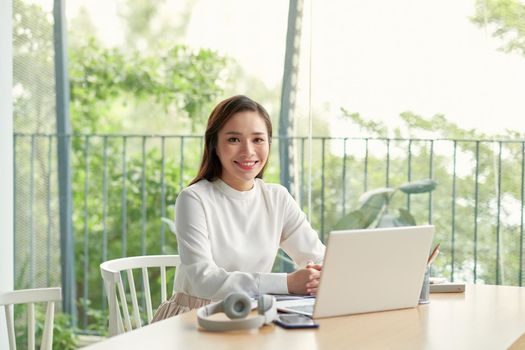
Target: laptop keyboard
303, 308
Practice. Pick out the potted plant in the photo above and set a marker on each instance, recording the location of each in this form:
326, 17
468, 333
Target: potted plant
374, 210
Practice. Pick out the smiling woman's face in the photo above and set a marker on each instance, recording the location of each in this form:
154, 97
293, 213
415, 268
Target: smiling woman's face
243, 148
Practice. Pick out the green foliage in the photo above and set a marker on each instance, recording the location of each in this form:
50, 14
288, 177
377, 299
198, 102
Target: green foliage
102, 80
422, 186
374, 207
373, 127
126, 220
474, 222
505, 19
147, 25
64, 336
33, 88
98, 319
109, 88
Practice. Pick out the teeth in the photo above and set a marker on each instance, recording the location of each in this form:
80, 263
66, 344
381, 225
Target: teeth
247, 164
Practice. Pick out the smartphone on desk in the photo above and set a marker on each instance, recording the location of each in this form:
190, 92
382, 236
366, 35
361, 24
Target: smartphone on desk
294, 321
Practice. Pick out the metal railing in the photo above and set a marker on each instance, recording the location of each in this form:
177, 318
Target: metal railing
123, 184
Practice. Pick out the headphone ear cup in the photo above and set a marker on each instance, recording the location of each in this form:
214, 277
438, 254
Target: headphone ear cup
264, 303
266, 307
237, 305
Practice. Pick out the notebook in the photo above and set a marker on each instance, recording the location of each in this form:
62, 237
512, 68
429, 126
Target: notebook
369, 270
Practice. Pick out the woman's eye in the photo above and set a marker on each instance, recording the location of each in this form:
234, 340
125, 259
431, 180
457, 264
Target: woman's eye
233, 139
259, 140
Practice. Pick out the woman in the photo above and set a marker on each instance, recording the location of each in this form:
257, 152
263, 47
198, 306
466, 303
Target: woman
230, 223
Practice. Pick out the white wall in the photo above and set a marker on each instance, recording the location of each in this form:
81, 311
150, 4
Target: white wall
6, 156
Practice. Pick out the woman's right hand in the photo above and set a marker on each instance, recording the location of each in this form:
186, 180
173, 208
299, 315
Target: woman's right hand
304, 281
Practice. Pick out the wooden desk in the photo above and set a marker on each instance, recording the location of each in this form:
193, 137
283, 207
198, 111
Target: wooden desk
484, 317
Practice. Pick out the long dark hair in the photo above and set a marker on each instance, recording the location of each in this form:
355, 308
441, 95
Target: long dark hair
211, 168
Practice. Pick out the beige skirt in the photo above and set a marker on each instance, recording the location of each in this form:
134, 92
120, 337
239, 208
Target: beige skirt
178, 304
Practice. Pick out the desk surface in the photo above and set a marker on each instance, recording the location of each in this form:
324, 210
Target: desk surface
484, 317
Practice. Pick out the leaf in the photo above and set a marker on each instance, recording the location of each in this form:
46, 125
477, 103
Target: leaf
372, 202
387, 220
352, 220
421, 186
405, 218
369, 196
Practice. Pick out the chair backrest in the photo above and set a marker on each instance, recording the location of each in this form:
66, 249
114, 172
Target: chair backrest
30, 297
111, 274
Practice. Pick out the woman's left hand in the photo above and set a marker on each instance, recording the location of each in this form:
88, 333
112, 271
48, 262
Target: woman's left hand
305, 280
313, 285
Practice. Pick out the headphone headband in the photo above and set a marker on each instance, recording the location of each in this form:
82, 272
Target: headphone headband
237, 306
229, 325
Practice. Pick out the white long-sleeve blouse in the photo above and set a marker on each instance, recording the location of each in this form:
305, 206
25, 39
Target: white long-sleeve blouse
228, 239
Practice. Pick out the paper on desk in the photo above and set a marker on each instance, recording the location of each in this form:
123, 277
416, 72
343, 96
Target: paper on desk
437, 280
280, 297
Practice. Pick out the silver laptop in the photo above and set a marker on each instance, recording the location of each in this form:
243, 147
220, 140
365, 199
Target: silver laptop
369, 270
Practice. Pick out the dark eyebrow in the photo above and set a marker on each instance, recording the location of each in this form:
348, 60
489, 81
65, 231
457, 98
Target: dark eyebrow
238, 133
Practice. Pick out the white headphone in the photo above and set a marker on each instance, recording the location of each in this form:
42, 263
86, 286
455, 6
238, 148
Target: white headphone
237, 306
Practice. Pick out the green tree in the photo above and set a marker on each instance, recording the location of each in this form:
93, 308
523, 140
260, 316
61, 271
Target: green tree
112, 91
142, 177
34, 99
504, 18
107, 85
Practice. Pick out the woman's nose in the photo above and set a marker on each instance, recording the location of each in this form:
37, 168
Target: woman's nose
247, 148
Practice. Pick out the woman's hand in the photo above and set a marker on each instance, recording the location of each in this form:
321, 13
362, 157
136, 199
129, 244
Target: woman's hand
305, 280
318, 267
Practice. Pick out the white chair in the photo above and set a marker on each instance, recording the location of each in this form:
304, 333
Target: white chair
30, 297
111, 274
